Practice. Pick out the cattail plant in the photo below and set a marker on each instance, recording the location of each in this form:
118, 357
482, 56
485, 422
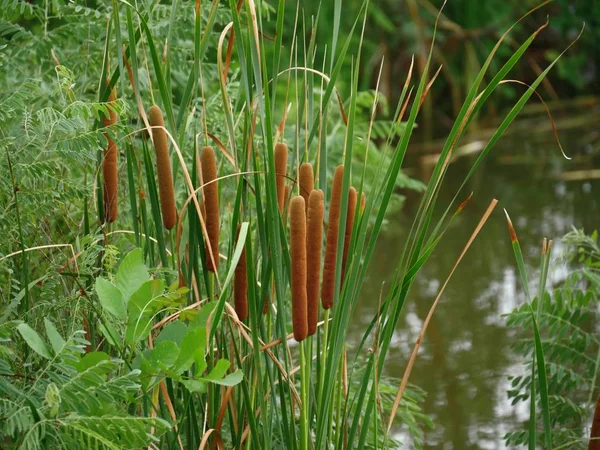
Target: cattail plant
110, 170
314, 243
281, 155
595, 432
363, 202
298, 270
240, 284
163, 166
352, 200
328, 286
306, 180
208, 162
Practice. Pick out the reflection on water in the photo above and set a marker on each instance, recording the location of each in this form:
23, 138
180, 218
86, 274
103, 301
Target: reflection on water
466, 358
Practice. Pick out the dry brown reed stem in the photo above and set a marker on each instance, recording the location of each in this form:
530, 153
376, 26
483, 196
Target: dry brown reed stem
306, 179
240, 284
363, 202
314, 244
163, 167
110, 169
208, 162
328, 286
595, 432
281, 155
298, 270
352, 201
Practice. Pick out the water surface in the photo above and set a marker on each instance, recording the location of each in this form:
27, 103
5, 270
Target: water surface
466, 358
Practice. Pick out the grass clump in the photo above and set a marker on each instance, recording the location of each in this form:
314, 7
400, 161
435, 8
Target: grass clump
195, 364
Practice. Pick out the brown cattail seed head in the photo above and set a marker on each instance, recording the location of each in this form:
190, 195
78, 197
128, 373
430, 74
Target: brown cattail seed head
352, 200
595, 431
163, 167
208, 162
110, 171
306, 179
298, 272
281, 155
328, 286
314, 244
240, 284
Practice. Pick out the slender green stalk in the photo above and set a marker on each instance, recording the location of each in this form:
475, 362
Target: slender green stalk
305, 389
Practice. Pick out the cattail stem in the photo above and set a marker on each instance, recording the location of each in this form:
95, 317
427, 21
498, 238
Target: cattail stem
281, 155
240, 284
329, 266
304, 391
314, 244
208, 163
163, 167
110, 169
352, 200
298, 269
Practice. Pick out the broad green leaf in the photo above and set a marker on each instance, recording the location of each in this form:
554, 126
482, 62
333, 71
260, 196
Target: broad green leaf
174, 331
195, 385
142, 362
143, 305
34, 340
203, 313
200, 359
90, 360
164, 354
230, 380
132, 273
54, 336
109, 332
193, 341
219, 370
111, 298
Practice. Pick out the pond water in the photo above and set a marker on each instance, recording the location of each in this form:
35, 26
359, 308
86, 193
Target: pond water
466, 356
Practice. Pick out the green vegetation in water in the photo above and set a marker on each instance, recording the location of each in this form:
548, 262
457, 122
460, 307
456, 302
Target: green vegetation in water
148, 351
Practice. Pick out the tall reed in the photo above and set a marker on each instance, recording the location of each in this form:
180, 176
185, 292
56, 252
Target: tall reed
110, 165
281, 157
